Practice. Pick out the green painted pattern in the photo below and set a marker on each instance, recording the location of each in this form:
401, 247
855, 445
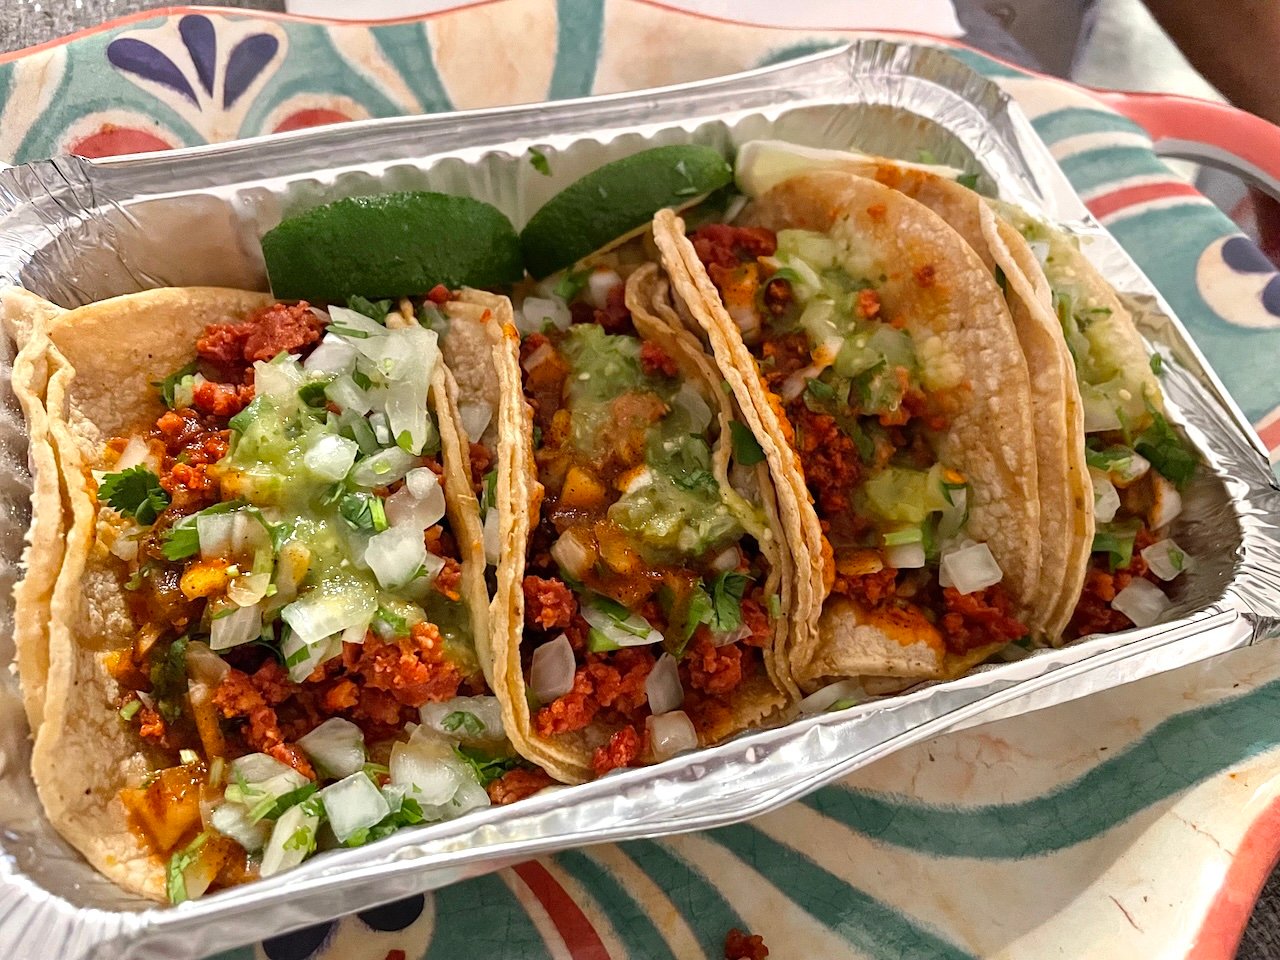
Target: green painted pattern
693, 894
629, 918
1178, 753
1089, 170
413, 56
868, 924
481, 918
1058, 125
579, 34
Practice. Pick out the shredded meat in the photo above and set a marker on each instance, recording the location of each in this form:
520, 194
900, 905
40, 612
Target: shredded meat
726, 246
757, 621
622, 750
221, 399
777, 296
548, 603
412, 669
613, 682
868, 303
1093, 613
517, 784
279, 328
712, 669
975, 619
481, 461
744, 946
869, 589
449, 579
240, 695
656, 362
832, 466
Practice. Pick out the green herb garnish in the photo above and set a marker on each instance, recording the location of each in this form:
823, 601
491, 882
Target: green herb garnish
136, 493
471, 725
538, 160
746, 448
1161, 444
169, 384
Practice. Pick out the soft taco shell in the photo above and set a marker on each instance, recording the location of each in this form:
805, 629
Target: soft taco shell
483, 346
951, 306
26, 320
83, 754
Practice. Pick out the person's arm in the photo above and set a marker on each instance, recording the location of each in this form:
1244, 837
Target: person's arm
1235, 44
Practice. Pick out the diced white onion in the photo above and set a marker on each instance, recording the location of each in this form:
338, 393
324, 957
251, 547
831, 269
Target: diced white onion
492, 537
255, 768
730, 558
125, 546
552, 671
344, 392
426, 765
571, 554
353, 804
692, 403
475, 418
1106, 500
241, 625
953, 517
291, 566
395, 555
329, 609
1134, 468
731, 636
1099, 414
905, 556
662, 686
232, 820
1167, 505
540, 356
746, 318
135, 453
336, 747
1142, 602
301, 658
214, 532
280, 381
970, 569
383, 468
333, 357
470, 796
1166, 559
354, 320
487, 710
381, 432
671, 733
1041, 250
601, 281
205, 666
536, 311
423, 482
330, 457
820, 701
248, 590
634, 631
405, 510
282, 852
406, 406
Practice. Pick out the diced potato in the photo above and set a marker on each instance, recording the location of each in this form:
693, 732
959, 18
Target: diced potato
581, 490
168, 809
206, 578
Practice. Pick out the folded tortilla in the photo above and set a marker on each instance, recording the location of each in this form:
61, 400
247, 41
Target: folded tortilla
944, 298
483, 347
107, 356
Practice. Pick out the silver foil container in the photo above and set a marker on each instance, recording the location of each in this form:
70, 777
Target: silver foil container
74, 231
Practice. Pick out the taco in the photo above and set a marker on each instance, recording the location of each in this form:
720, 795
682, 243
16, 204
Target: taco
884, 358
641, 568
271, 613
26, 320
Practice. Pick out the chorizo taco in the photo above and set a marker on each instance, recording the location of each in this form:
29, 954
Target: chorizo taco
269, 627
882, 358
641, 568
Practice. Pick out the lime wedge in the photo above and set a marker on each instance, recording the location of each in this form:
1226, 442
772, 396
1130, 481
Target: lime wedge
610, 202
393, 245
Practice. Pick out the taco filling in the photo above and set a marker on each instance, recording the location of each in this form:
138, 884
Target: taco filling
865, 402
305, 653
1138, 464
646, 607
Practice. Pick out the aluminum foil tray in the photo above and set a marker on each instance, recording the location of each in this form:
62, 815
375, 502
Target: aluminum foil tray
74, 231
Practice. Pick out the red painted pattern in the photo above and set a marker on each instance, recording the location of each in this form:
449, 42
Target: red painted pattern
1255, 858
1107, 204
571, 923
1269, 430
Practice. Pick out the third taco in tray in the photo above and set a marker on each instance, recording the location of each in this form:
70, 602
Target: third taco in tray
883, 362
642, 578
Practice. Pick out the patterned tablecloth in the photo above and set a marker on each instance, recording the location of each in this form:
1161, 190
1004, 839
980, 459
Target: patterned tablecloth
1140, 822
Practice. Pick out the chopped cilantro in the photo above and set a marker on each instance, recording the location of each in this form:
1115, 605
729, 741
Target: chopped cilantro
1116, 539
698, 610
410, 813
1160, 444
1112, 458
240, 422
361, 379
843, 704
1001, 280
182, 540
775, 606
312, 393
131, 708
485, 766
375, 310
471, 725
405, 442
926, 156
537, 437
571, 284
969, 180
168, 675
538, 160
363, 511
727, 591
275, 806
136, 493
398, 624
175, 884
169, 384
489, 495
746, 448
1157, 364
